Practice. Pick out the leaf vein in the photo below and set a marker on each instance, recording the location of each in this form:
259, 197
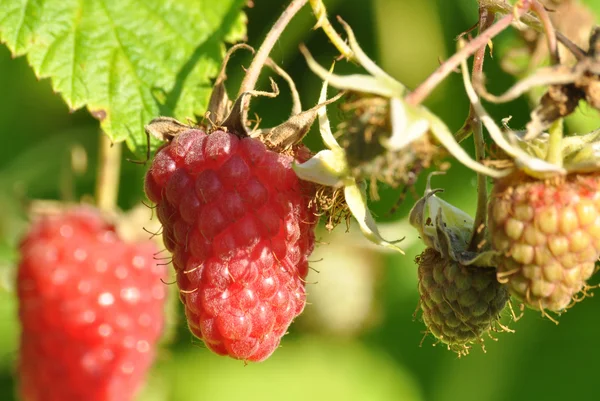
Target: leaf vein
20, 26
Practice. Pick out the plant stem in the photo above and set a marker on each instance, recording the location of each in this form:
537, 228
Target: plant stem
503, 7
107, 179
481, 214
542, 14
426, 87
554, 154
66, 182
541, 24
323, 23
486, 18
263, 53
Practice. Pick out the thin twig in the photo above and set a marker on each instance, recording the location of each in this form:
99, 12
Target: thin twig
542, 14
107, 179
577, 51
272, 37
504, 7
422, 91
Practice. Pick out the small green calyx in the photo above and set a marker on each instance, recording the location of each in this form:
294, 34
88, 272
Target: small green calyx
447, 229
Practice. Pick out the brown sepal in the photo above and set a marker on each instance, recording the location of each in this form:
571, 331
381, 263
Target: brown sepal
294, 129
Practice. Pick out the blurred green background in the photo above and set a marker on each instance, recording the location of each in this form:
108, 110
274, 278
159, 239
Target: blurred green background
358, 339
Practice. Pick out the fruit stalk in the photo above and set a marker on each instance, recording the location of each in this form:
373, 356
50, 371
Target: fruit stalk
504, 7
538, 24
109, 166
263, 53
542, 14
554, 155
426, 87
481, 213
486, 18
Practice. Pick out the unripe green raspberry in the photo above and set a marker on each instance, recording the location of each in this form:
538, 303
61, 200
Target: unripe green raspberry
548, 236
459, 303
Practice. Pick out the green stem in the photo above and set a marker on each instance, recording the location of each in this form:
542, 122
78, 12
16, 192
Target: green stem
486, 19
107, 179
554, 154
66, 182
323, 23
481, 214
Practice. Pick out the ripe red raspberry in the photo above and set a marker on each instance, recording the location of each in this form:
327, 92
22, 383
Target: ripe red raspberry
237, 220
548, 233
91, 310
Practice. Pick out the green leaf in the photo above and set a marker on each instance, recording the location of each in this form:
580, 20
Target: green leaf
127, 61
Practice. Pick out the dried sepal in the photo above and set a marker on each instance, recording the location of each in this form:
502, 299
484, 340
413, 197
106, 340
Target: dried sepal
580, 153
236, 121
365, 129
165, 128
507, 141
233, 116
294, 129
219, 104
568, 85
409, 122
329, 167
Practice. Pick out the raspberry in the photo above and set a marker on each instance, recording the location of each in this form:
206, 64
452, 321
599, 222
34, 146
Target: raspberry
91, 309
237, 220
459, 303
548, 233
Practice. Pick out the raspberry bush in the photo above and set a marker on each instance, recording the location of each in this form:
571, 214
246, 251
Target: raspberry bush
223, 198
